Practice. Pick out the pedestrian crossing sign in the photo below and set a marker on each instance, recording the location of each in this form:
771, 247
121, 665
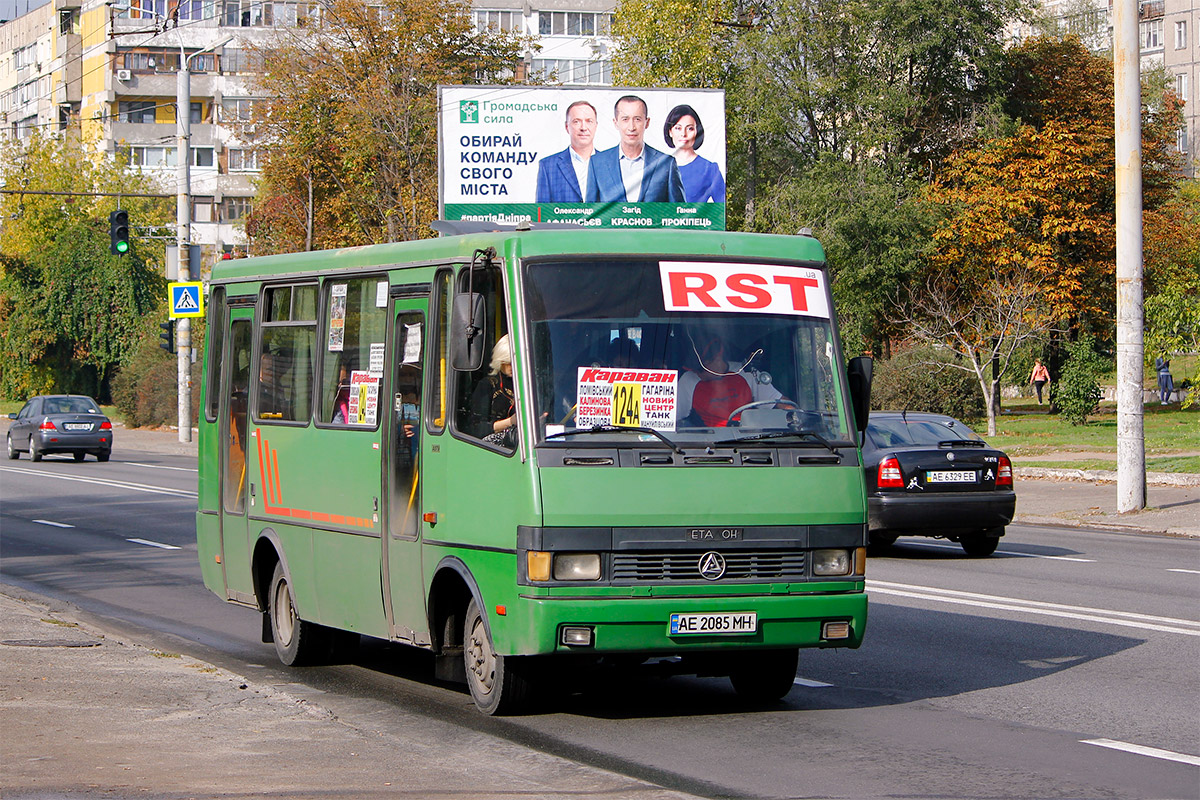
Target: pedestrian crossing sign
187, 299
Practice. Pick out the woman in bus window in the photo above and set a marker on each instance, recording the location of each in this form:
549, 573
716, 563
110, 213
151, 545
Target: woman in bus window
493, 410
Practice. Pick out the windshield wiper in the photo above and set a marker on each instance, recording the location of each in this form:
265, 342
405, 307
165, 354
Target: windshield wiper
762, 437
619, 429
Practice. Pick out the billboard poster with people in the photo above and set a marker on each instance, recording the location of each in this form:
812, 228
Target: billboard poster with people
592, 156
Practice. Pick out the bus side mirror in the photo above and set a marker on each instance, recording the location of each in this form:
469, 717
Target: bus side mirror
466, 332
859, 371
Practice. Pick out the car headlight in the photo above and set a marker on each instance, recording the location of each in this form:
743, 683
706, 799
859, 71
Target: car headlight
831, 562
576, 566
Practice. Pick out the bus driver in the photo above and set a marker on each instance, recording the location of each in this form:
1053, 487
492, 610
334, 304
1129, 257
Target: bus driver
718, 388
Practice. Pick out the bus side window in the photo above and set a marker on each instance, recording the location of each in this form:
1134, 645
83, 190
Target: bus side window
354, 335
438, 383
481, 397
285, 361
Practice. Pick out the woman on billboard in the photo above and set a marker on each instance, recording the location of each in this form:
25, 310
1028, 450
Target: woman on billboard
702, 180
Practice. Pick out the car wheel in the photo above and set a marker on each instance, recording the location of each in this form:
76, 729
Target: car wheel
765, 676
102, 456
979, 546
79, 455
297, 642
498, 684
34, 453
13, 453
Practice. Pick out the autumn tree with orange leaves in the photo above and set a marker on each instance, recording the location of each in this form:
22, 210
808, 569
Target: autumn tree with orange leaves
1026, 238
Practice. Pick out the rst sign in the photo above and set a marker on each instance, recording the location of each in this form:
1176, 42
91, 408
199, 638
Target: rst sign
743, 288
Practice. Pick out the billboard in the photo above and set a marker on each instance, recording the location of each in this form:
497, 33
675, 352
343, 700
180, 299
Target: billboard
553, 154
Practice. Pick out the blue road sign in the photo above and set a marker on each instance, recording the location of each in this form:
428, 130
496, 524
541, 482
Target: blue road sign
187, 299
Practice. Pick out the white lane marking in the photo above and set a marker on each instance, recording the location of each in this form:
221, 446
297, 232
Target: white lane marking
1000, 552
1185, 571
1142, 750
55, 524
160, 466
811, 683
153, 544
134, 487
1127, 618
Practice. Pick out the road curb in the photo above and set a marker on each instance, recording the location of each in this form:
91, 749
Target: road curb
1181, 479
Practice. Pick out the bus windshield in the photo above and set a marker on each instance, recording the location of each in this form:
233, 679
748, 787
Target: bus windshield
700, 351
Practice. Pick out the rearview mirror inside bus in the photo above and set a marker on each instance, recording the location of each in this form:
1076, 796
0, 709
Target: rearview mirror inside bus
466, 334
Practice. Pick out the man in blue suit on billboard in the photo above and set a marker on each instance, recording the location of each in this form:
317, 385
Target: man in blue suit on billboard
633, 171
562, 177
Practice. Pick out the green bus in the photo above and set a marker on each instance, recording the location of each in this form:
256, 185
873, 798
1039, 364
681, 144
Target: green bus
514, 448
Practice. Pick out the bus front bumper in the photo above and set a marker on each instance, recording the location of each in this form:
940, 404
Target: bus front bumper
561, 624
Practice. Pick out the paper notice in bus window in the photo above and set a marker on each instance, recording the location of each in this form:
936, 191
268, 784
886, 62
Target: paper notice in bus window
412, 343
337, 317
364, 398
743, 288
626, 398
378, 360
381, 290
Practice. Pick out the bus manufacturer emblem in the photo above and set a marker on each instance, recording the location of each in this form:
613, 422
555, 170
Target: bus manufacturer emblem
711, 566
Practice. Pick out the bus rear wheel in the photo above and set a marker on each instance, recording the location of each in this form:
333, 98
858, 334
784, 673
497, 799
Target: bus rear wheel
296, 642
765, 676
497, 683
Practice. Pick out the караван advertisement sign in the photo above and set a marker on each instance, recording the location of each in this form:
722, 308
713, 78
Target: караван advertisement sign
604, 157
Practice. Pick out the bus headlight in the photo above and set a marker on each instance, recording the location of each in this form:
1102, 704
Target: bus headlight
831, 562
576, 566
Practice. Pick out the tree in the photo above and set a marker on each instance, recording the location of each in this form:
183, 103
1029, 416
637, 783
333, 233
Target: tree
351, 134
70, 312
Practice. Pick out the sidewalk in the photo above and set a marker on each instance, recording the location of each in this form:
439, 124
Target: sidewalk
84, 714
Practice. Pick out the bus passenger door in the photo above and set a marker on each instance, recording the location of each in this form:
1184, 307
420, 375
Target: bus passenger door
404, 584
235, 389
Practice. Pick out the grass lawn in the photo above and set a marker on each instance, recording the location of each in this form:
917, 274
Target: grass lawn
1028, 433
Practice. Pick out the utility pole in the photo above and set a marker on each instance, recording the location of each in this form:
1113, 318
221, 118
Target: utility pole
1131, 443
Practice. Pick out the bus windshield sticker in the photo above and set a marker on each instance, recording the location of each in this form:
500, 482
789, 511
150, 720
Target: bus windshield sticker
412, 343
337, 317
381, 293
743, 288
364, 397
378, 359
627, 398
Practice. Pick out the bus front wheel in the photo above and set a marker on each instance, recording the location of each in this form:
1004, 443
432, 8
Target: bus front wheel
296, 642
496, 682
765, 676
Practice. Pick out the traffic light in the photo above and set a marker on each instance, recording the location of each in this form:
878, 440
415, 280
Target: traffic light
118, 232
167, 336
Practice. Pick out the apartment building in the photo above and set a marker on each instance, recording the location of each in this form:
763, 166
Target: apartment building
1167, 32
109, 70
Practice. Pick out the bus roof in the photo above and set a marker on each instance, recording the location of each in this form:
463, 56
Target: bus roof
569, 241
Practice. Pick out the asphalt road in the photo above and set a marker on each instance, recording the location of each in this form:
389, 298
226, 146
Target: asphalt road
1065, 666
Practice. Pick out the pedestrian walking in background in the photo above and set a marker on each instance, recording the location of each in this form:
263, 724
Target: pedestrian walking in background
1039, 378
1165, 383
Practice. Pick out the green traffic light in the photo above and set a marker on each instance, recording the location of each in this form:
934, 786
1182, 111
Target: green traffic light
122, 247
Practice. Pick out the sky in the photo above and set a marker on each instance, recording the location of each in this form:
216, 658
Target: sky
11, 9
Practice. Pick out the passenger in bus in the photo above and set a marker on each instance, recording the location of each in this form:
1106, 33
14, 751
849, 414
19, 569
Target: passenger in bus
493, 415
272, 400
709, 393
341, 401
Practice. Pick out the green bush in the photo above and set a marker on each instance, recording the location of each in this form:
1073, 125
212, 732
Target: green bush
923, 379
1077, 392
145, 390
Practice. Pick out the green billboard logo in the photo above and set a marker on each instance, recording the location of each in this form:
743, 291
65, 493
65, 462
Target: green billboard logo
468, 112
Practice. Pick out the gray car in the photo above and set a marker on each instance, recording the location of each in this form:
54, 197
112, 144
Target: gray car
60, 423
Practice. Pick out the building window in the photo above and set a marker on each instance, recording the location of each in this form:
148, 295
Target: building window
139, 112
1181, 87
1181, 140
254, 14
574, 23
572, 71
1151, 34
237, 60
498, 21
24, 57
1181, 34
235, 209
68, 22
237, 109
203, 157
243, 160
202, 209
151, 157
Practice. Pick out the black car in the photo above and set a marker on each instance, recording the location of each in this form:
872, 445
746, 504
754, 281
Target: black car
60, 423
931, 475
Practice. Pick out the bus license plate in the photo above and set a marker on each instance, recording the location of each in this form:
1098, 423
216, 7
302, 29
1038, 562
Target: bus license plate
713, 624
955, 476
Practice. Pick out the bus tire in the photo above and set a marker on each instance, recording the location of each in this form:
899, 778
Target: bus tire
497, 683
297, 642
765, 676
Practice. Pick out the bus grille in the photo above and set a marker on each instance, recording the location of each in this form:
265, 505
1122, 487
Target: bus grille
742, 565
